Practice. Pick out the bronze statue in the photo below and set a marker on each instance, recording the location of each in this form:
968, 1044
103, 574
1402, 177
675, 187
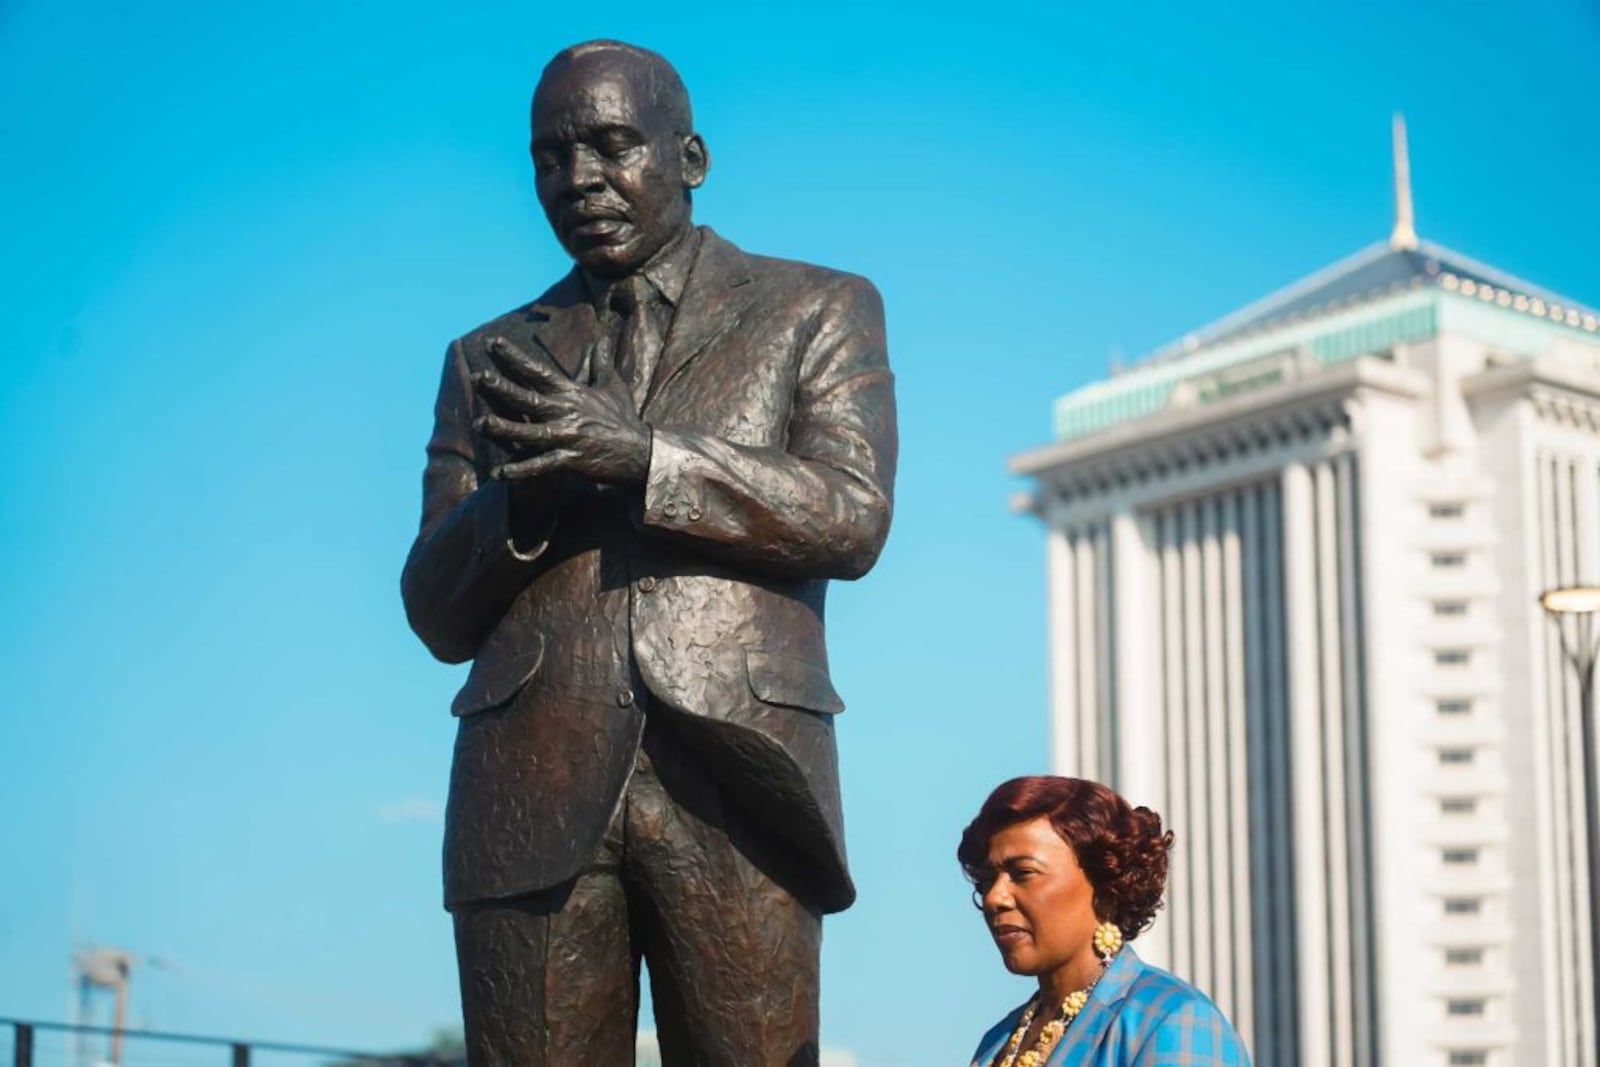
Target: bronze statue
637, 489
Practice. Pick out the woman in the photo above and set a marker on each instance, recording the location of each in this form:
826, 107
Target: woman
1065, 873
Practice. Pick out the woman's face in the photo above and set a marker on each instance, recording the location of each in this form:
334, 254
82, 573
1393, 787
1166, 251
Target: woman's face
1036, 900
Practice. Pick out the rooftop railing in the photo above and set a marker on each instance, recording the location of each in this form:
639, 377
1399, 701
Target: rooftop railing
47, 1044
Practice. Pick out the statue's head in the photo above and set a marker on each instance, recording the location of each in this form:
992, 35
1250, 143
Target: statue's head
615, 154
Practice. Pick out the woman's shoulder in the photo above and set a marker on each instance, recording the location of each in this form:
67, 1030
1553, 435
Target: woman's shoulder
1155, 985
1165, 1010
1167, 1013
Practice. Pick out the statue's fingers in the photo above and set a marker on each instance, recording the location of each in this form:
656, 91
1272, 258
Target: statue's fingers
537, 465
516, 433
533, 368
507, 397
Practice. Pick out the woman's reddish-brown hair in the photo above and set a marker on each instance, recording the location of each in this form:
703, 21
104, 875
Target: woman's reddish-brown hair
1122, 849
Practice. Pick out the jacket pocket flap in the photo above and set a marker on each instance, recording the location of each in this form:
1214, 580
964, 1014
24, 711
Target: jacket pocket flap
794, 683
499, 672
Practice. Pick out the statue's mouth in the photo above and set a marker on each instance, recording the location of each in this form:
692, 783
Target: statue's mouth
596, 223
596, 227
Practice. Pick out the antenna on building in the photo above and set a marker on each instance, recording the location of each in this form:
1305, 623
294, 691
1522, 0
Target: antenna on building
1404, 236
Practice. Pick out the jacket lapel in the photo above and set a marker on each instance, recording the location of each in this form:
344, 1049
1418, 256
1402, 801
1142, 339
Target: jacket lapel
1090, 1026
563, 323
995, 1041
719, 268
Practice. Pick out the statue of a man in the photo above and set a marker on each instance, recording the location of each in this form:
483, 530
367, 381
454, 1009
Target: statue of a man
637, 489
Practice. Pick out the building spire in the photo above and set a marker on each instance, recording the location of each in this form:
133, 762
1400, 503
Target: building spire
1404, 235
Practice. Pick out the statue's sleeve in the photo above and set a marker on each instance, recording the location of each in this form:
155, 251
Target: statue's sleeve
820, 507
467, 564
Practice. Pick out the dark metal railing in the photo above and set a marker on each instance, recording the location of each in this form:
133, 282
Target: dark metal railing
24, 1032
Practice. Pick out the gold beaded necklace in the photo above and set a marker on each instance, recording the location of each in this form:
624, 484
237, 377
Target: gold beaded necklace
1051, 1032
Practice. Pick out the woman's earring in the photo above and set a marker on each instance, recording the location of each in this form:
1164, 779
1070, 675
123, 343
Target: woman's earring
1107, 941
977, 899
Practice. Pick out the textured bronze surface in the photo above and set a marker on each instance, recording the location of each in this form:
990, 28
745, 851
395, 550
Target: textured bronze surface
637, 489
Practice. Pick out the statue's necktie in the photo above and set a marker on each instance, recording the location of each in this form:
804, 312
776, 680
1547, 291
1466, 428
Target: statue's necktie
638, 337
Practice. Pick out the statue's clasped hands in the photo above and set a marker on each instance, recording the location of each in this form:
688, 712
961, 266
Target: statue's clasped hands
551, 423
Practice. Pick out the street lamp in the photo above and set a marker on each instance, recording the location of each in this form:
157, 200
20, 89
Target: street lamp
1580, 603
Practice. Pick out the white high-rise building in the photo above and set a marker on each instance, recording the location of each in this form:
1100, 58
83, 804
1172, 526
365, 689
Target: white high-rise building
1294, 566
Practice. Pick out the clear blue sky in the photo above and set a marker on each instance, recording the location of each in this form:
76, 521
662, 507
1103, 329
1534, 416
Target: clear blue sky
236, 238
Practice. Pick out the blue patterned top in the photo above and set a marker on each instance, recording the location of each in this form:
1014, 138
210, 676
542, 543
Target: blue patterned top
1137, 1016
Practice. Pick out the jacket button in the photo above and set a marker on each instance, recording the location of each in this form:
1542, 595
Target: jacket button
670, 510
624, 698
646, 584
694, 514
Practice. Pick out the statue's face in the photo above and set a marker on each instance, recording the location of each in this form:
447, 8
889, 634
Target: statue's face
612, 175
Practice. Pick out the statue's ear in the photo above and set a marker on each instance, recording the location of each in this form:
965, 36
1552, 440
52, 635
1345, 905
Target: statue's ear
696, 160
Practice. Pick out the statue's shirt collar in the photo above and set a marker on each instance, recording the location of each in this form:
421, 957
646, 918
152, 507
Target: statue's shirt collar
668, 272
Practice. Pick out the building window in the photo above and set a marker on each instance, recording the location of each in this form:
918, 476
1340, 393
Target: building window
1458, 805
1463, 905
1453, 706
1451, 510
1451, 657
1463, 1006
1460, 856
1449, 609
1468, 1057
1456, 757
1463, 957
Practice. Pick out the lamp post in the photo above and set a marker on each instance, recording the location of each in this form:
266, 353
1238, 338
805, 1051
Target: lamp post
1580, 603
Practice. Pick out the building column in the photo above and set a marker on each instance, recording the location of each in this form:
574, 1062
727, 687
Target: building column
1141, 757
1337, 868
1398, 751
1217, 810
1085, 628
1063, 652
1192, 836
1305, 739
1178, 916
1239, 768
1142, 772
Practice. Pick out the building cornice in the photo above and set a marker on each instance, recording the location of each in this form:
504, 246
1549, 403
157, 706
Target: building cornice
1442, 269
1287, 411
1372, 328
1230, 442
1559, 391
1382, 297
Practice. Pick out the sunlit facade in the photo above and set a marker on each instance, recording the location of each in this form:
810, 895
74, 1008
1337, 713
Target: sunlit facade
1294, 563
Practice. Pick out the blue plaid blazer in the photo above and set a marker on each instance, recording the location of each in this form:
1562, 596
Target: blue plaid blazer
1137, 1016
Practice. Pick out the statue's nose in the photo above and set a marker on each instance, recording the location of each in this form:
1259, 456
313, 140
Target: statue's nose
586, 175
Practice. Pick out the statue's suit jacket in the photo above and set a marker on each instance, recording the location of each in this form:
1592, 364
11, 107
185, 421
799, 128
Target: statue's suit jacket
771, 471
